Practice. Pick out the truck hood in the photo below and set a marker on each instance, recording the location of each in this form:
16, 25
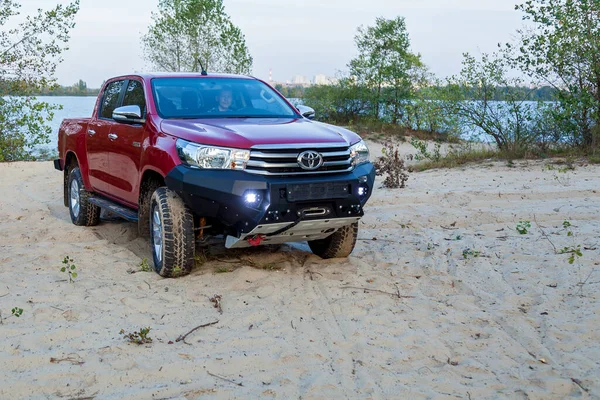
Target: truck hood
244, 133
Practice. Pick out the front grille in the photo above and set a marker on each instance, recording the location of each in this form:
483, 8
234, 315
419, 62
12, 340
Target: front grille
284, 161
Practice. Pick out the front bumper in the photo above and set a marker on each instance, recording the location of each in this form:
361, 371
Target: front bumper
221, 194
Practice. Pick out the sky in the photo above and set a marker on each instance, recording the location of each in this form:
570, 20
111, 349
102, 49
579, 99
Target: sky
301, 37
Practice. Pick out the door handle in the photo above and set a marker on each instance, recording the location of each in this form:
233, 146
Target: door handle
112, 136
91, 132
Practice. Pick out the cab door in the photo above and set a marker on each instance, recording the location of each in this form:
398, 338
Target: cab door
97, 139
125, 150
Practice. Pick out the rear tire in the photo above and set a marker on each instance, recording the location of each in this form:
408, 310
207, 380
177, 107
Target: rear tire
83, 213
172, 234
338, 245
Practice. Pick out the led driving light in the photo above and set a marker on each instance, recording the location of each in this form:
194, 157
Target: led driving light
252, 198
363, 190
209, 157
359, 153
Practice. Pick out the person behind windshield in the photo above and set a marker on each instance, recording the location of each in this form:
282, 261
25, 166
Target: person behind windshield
224, 100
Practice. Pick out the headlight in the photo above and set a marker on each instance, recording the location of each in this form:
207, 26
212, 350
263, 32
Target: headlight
210, 157
359, 153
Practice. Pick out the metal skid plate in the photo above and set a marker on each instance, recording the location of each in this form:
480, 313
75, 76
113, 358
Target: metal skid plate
305, 230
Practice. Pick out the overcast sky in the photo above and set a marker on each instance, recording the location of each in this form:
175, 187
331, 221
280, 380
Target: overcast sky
300, 37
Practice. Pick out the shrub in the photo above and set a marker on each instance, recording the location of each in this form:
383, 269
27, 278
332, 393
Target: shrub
392, 164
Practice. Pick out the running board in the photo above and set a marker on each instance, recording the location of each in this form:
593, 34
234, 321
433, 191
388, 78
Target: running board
110, 206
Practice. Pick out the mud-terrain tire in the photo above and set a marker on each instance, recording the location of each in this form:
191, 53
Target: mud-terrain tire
83, 213
338, 245
172, 234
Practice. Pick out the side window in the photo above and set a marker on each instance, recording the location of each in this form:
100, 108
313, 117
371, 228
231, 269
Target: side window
134, 96
110, 99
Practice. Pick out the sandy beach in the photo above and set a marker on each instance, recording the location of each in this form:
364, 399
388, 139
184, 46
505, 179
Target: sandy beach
442, 298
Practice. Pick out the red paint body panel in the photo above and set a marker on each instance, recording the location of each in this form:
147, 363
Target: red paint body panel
115, 167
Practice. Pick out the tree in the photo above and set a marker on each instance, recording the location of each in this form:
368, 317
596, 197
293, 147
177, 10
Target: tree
29, 54
562, 48
386, 65
186, 35
478, 97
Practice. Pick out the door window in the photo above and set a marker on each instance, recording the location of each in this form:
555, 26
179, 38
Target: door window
134, 96
110, 99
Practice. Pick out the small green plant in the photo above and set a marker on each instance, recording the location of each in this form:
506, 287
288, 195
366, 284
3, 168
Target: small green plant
458, 237
470, 253
222, 270
140, 337
523, 227
567, 225
144, 266
177, 271
200, 258
423, 152
15, 312
69, 268
575, 253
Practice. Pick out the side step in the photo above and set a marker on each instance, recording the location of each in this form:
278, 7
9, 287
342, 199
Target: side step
122, 211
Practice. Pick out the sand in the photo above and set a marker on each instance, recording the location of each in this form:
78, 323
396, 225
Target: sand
459, 304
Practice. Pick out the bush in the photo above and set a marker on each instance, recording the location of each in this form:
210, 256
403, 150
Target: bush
341, 103
392, 164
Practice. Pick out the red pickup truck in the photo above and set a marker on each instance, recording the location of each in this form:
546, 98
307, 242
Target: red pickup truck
194, 157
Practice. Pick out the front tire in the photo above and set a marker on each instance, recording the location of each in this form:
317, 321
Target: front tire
83, 213
172, 234
340, 244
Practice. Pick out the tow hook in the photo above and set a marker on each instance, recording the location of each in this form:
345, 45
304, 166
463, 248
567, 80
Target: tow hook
255, 240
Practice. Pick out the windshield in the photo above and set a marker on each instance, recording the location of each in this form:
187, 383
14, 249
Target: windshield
218, 98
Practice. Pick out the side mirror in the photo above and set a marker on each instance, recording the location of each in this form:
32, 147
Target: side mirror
128, 115
306, 112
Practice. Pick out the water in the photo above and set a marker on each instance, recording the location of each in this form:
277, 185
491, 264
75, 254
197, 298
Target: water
81, 107
73, 107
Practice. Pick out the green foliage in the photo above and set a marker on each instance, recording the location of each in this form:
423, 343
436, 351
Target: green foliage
509, 121
470, 253
561, 48
386, 65
344, 102
139, 338
187, 33
15, 312
144, 266
69, 268
523, 227
423, 151
575, 252
29, 54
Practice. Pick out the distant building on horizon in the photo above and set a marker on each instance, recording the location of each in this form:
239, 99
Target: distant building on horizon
300, 80
321, 79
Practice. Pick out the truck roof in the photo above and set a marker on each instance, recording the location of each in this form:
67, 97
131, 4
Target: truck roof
152, 75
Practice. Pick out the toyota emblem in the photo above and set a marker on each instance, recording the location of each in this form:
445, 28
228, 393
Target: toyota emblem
310, 160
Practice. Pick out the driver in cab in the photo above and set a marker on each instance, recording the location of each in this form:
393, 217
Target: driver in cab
224, 100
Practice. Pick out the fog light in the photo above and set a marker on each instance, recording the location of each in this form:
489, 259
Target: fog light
363, 179
252, 198
362, 191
